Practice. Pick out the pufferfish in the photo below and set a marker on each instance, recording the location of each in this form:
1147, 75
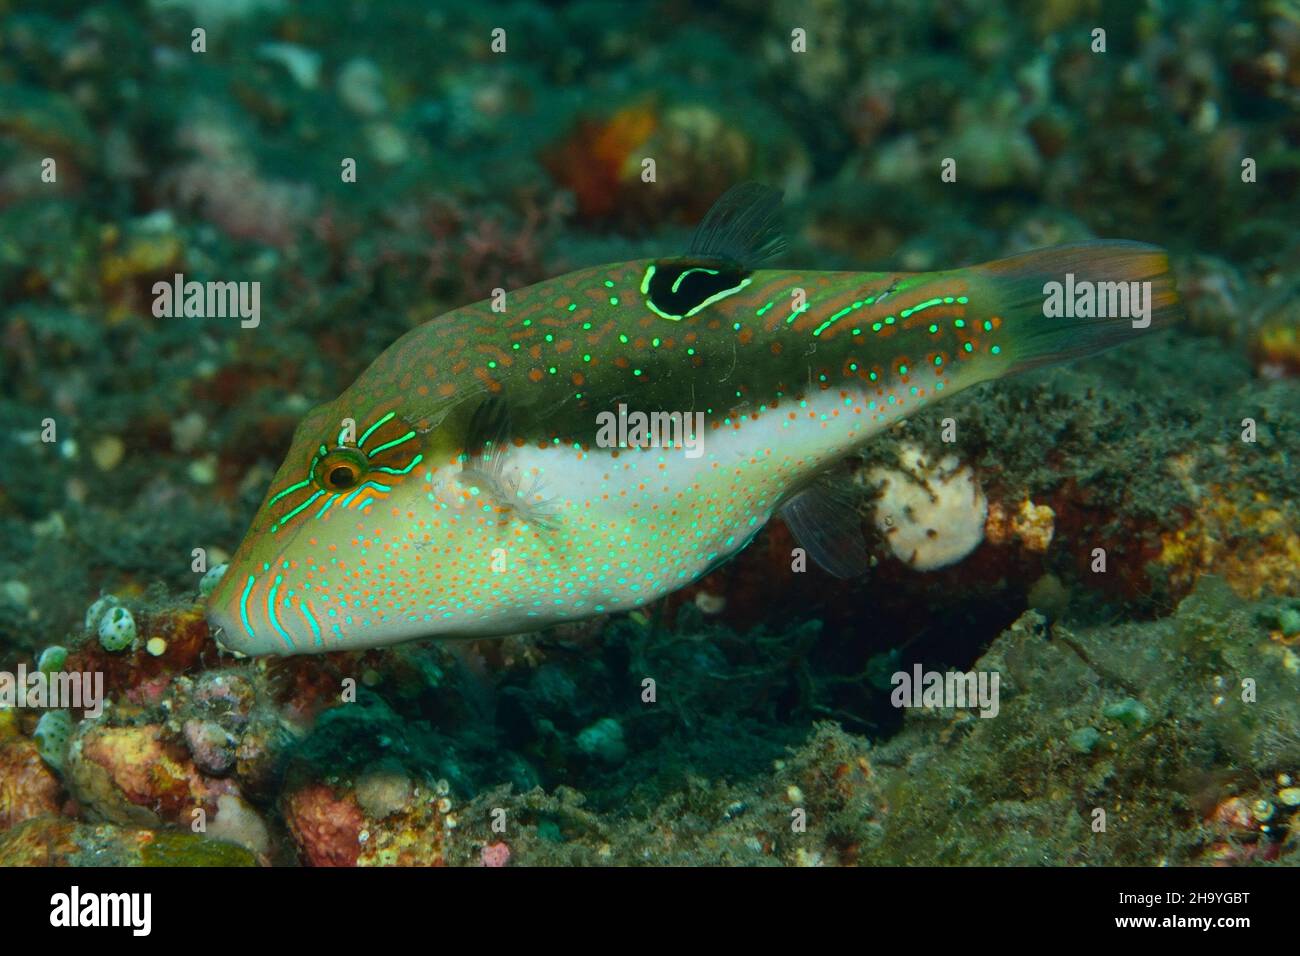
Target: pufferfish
469, 484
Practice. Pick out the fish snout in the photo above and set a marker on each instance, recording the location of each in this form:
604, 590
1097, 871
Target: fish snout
227, 629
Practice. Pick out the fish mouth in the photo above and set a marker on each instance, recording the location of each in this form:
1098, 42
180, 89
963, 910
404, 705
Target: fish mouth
232, 614
239, 611
219, 638
226, 632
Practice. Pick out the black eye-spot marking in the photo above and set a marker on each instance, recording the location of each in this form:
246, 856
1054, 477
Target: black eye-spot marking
679, 288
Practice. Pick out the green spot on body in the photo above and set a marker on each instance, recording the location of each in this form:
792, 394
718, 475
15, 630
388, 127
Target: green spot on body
794, 313
832, 320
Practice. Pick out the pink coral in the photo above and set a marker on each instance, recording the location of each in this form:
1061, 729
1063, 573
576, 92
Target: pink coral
223, 183
496, 854
326, 827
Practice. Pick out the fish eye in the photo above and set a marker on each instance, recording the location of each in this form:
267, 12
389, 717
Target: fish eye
342, 477
340, 470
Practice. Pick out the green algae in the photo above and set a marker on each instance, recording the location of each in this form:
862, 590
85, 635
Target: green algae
169, 848
1085, 739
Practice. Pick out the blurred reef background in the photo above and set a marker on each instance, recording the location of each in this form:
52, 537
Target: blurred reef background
1121, 690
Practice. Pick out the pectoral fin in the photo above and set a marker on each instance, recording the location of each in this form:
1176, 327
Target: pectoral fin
825, 522
486, 474
488, 437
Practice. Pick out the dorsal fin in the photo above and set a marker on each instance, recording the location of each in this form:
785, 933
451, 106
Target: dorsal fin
743, 226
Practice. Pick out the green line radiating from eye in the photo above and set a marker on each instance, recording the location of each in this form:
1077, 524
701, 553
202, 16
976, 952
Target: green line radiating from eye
361, 442
387, 445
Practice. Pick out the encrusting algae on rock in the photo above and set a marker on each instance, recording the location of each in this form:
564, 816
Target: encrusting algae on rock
932, 515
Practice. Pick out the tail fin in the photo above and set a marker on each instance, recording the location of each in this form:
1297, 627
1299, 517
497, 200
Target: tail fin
1042, 294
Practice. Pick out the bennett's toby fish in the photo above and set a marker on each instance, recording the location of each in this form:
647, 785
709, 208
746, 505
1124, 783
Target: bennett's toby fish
461, 487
